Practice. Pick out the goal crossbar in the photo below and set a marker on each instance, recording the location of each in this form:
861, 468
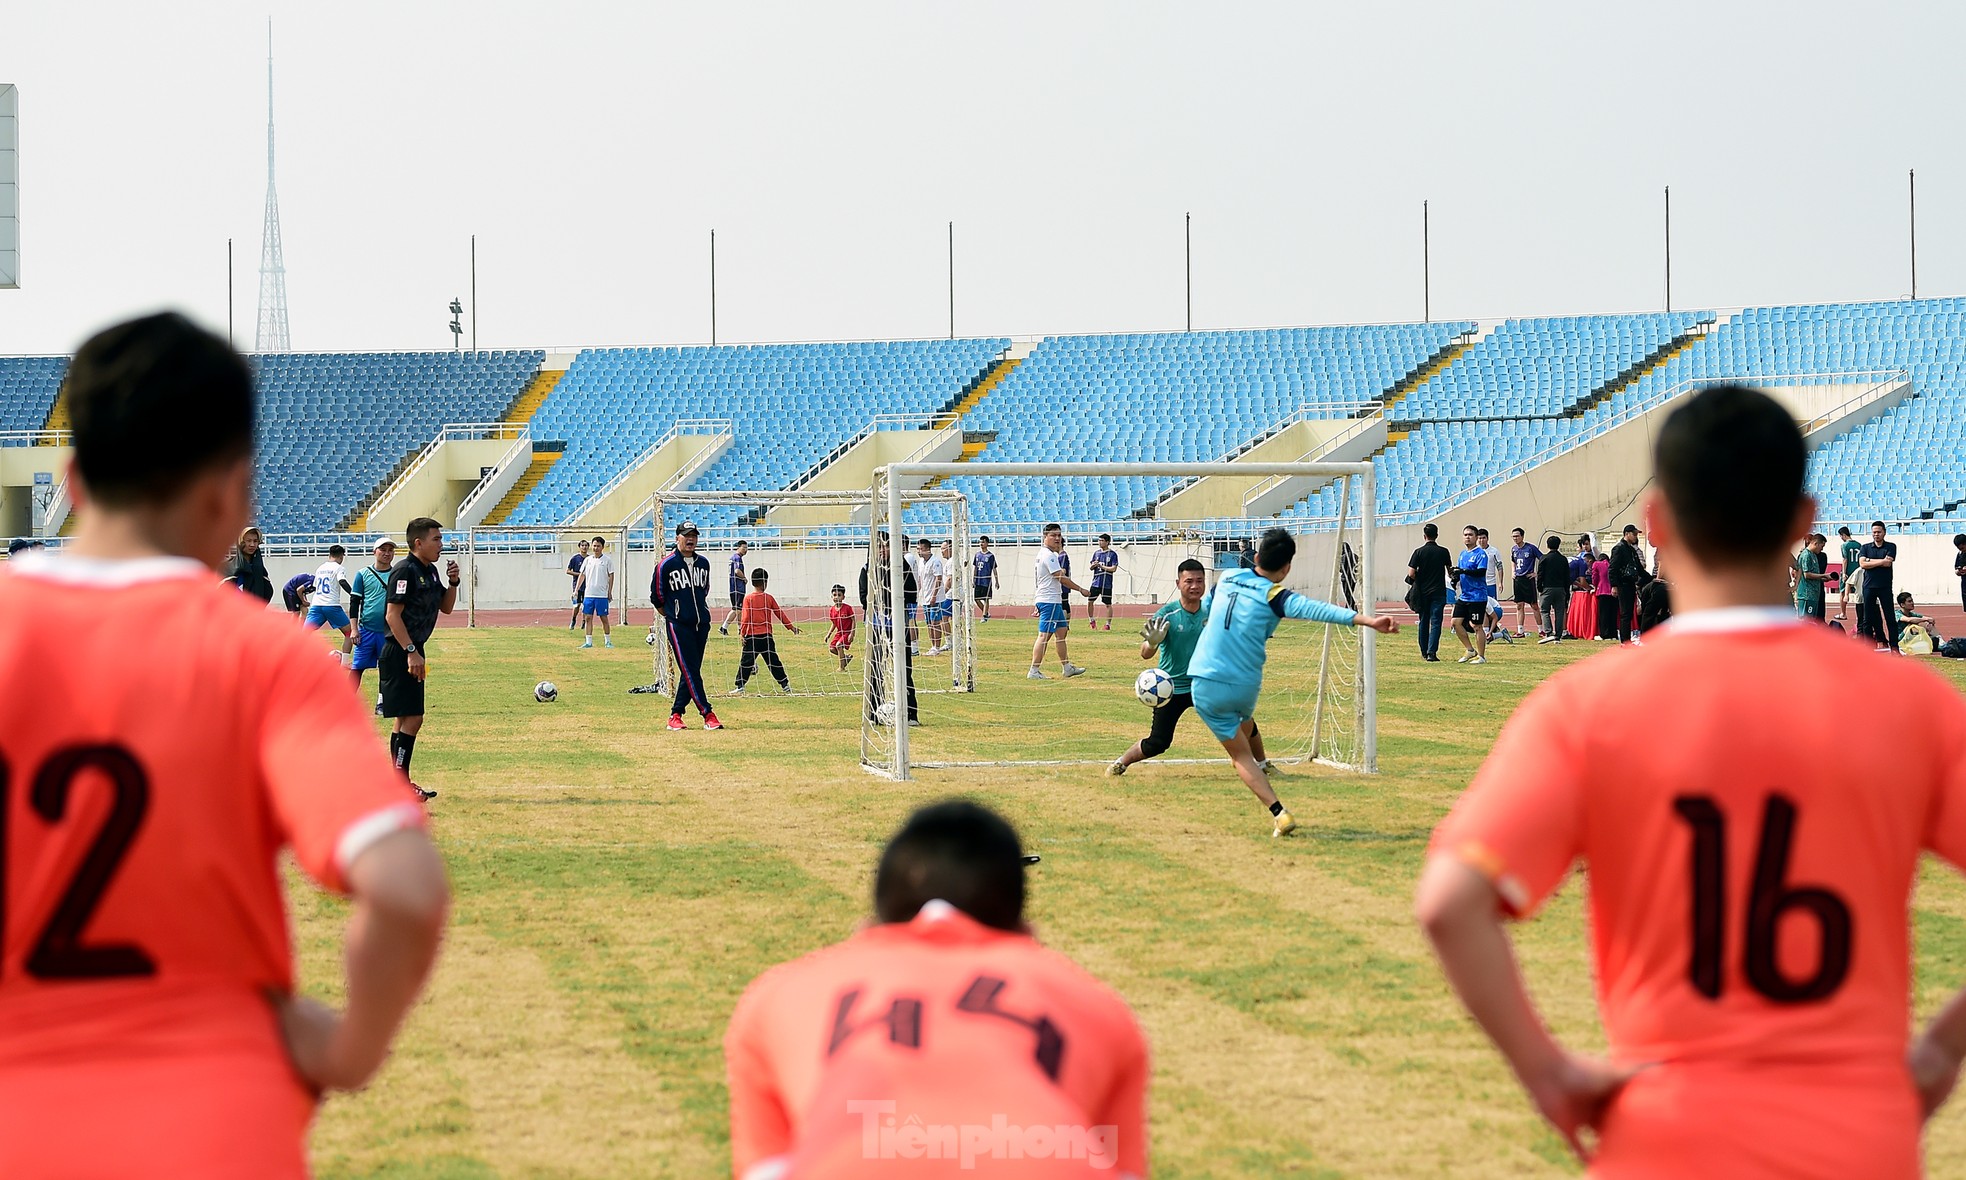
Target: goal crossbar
888, 479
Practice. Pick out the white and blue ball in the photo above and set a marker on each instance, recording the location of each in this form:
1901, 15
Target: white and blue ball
545, 692
1154, 688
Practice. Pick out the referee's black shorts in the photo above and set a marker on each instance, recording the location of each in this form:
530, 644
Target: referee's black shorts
402, 693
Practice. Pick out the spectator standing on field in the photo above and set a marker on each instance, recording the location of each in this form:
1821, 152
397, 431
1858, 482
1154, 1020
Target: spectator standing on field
1811, 579
595, 585
880, 611
248, 567
1627, 573
1553, 591
1877, 560
1959, 565
1523, 556
1606, 596
739, 585
1853, 578
573, 574
1426, 574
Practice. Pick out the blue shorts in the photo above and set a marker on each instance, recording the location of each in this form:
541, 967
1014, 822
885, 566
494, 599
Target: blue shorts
368, 649
935, 613
1224, 707
948, 609
1052, 617
594, 606
333, 616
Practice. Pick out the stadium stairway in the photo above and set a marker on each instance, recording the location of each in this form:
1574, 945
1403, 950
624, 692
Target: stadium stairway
542, 462
57, 415
980, 388
1427, 372
533, 395
1663, 356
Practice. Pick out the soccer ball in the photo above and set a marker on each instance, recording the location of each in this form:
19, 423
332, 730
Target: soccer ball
545, 692
884, 713
650, 638
1154, 688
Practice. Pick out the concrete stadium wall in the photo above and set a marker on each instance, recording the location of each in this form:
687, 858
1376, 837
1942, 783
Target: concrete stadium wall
654, 473
18, 467
854, 472
1222, 495
439, 486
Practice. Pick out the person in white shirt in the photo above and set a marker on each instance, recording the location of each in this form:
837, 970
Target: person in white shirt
1054, 578
329, 603
931, 574
914, 559
595, 587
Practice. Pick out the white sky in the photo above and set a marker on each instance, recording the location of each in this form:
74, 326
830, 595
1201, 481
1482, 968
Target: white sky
592, 146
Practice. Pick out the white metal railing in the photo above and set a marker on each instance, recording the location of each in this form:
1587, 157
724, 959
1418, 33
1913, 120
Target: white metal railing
879, 422
54, 514
1270, 483
1605, 423
520, 450
452, 432
1305, 411
1872, 393
682, 426
37, 438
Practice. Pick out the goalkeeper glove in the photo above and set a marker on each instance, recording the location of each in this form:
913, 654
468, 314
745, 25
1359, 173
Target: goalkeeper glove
1154, 632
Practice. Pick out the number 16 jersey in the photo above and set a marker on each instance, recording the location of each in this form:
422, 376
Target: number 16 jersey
1750, 796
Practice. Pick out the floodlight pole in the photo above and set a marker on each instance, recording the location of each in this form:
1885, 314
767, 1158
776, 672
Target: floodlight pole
1912, 177
228, 291
713, 286
1426, 264
952, 280
1668, 247
1188, 253
474, 298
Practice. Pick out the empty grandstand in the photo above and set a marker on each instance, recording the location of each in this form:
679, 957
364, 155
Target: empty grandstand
28, 385
333, 426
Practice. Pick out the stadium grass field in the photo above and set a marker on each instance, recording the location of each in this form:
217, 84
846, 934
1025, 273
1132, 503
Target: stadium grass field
617, 886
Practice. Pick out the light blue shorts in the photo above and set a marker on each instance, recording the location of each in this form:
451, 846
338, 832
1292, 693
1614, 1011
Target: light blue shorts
333, 616
1224, 707
1052, 617
937, 612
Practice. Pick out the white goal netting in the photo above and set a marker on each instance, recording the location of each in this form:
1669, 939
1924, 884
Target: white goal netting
809, 545
1318, 698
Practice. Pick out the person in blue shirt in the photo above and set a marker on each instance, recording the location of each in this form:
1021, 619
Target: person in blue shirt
1226, 673
740, 585
1471, 598
369, 596
984, 576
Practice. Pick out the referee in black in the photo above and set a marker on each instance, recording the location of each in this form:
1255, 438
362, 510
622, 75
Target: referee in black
880, 630
416, 595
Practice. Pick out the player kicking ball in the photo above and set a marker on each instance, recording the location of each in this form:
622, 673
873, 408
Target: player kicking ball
1171, 635
1226, 673
1749, 895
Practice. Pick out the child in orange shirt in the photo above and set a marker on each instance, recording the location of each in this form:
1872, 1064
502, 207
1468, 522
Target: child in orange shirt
754, 625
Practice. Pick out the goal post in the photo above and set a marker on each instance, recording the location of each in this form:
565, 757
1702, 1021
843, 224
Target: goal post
521, 571
1320, 695
808, 542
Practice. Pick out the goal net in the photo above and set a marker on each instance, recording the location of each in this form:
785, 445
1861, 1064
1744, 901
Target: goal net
1317, 703
807, 544
522, 574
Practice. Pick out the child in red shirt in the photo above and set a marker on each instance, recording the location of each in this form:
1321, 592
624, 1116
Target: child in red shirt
754, 624
840, 641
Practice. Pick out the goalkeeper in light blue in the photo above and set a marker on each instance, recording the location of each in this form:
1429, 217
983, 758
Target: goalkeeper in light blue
1243, 611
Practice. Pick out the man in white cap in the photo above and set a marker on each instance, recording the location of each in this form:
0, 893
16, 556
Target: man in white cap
368, 601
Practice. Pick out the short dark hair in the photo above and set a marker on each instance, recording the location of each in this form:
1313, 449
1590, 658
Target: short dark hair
337, 552
1554, 541
1105, 536
1190, 566
1430, 531
1731, 462
959, 852
1903, 594
420, 528
1481, 532
1053, 527
154, 403
1469, 528
1843, 530
1517, 530
1959, 538
1877, 524
759, 577
600, 540
985, 538
838, 589
740, 541
1275, 549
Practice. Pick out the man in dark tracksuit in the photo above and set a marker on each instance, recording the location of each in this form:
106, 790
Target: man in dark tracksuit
880, 632
1627, 572
680, 591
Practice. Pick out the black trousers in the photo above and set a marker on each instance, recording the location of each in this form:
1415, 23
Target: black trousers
689, 642
1883, 611
879, 653
1554, 607
1627, 611
1607, 616
761, 647
1161, 736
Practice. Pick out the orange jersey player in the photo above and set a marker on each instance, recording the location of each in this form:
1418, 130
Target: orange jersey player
839, 640
165, 738
942, 1040
1749, 885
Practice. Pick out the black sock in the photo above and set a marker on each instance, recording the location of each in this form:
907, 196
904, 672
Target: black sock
1276, 808
405, 748
395, 743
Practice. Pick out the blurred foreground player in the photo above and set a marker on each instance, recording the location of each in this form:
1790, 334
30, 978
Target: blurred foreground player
1749, 896
942, 1039
173, 744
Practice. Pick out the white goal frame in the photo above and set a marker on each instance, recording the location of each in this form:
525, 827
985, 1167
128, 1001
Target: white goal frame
654, 512
888, 481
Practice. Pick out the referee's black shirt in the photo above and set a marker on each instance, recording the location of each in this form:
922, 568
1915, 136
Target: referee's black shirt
415, 586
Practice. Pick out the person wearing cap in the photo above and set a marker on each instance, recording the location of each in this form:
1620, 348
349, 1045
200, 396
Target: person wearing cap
368, 601
680, 591
1627, 574
944, 1010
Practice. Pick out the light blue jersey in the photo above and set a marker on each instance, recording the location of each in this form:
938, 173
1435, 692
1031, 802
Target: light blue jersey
1243, 611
